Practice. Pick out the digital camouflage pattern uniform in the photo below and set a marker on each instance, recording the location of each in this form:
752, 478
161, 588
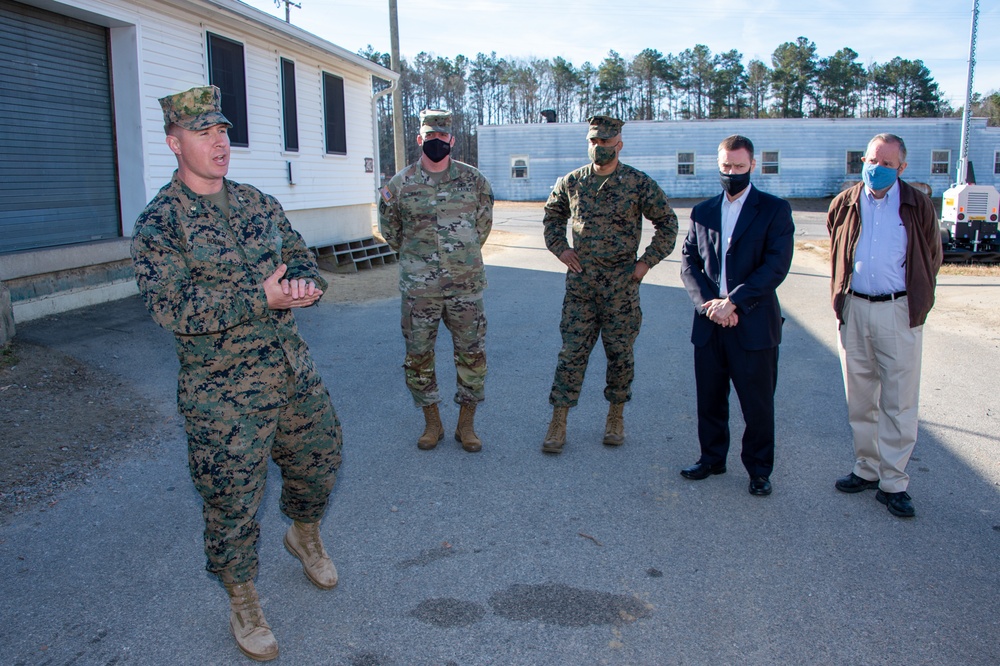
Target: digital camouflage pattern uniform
247, 386
606, 217
438, 223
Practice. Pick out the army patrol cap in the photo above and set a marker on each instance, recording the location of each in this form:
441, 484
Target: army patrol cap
195, 109
435, 120
604, 127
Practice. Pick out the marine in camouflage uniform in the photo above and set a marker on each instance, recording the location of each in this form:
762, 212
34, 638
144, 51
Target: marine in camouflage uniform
437, 214
605, 202
220, 270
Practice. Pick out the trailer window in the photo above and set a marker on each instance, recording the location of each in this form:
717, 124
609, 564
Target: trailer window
940, 161
685, 164
854, 163
769, 163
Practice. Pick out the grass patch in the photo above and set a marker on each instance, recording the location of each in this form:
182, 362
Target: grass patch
821, 248
8, 356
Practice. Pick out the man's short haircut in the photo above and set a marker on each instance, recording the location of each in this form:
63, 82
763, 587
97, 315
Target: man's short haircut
885, 137
736, 142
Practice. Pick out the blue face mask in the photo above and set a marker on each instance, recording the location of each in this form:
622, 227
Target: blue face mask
878, 177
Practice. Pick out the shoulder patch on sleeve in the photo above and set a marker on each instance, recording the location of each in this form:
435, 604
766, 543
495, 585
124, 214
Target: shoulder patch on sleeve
385, 194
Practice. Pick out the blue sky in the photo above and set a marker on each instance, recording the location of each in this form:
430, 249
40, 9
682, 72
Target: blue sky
935, 31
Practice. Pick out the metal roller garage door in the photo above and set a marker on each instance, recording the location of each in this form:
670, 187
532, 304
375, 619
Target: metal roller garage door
58, 181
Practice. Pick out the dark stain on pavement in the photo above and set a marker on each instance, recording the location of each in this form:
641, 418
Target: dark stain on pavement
369, 659
447, 613
427, 557
567, 606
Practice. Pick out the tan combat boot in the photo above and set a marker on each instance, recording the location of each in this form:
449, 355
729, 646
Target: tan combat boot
303, 541
246, 621
433, 430
465, 432
614, 429
555, 438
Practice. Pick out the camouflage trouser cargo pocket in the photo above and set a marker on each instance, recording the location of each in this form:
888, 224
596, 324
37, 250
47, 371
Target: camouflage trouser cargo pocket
464, 317
227, 457
600, 302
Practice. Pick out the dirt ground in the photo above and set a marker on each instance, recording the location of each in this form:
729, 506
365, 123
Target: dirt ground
61, 420
52, 437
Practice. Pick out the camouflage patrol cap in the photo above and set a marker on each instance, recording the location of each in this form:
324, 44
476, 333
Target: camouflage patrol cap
435, 120
604, 127
195, 109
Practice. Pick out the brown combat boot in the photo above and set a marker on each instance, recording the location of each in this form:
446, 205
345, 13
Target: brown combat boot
246, 621
614, 429
303, 541
555, 438
433, 430
465, 432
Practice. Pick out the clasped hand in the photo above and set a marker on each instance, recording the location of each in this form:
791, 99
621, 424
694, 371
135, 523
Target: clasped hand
722, 311
285, 294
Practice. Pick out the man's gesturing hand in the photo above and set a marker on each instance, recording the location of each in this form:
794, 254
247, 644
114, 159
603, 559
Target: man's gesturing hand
285, 294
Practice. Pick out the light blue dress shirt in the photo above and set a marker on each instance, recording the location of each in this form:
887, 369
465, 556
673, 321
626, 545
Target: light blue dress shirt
880, 257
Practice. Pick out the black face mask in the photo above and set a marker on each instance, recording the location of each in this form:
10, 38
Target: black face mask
734, 183
436, 149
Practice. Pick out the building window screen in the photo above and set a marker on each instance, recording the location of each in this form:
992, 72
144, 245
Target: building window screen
940, 161
855, 161
227, 70
519, 167
334, 118
769, 163
996, 162
685, 164
289, 109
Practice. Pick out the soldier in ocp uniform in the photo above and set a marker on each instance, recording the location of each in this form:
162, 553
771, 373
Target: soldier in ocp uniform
220, 267
437, 214
605, 202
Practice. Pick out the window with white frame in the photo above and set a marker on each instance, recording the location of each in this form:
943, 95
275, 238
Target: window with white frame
334, 116
769, 163
855, 161
519, 167
685, 164
227, 71
940, 161
289, 106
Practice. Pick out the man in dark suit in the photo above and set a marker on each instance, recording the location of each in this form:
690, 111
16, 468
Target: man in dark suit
737, 251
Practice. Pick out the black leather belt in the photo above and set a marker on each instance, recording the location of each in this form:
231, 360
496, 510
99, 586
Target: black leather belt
881, 298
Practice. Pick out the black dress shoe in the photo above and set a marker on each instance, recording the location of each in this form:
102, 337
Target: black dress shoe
700, 470
899, 504
852, 483
759, 485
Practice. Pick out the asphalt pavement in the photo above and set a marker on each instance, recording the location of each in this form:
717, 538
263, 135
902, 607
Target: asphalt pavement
510, 556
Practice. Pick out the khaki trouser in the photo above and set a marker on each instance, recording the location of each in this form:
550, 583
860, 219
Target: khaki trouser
880, 356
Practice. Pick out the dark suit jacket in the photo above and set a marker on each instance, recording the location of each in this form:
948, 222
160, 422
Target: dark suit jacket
758, 259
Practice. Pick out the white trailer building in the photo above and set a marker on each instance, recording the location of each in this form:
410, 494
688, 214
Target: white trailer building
811, 157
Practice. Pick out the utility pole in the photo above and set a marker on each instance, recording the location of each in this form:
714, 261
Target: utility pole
288, 8
398, 140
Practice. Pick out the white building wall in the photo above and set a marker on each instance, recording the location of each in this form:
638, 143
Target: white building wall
159, 47
812, 152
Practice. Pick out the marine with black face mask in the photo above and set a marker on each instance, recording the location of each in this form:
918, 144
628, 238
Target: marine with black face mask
436, 214
737, 251
605, 203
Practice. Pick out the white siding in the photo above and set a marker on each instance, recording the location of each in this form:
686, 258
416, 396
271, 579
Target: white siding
172, 56
813, 152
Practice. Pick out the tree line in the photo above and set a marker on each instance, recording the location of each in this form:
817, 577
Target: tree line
694, 84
